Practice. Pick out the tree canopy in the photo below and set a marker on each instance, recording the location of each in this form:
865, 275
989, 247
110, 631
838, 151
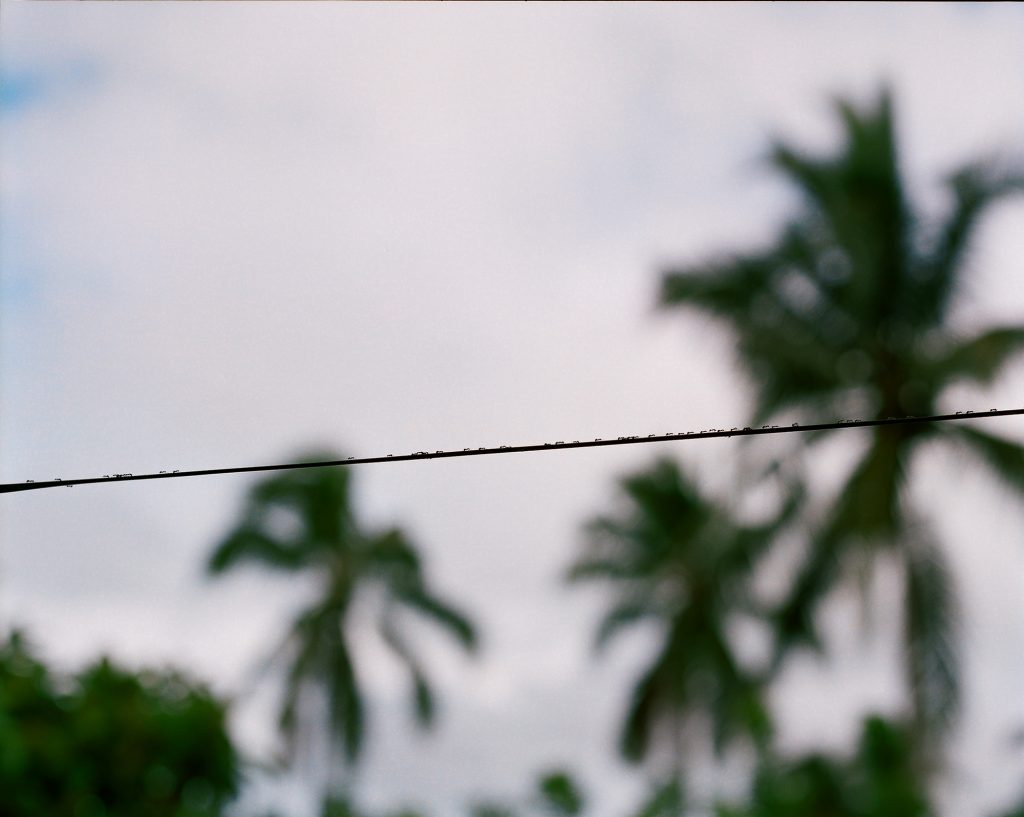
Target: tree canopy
109, 742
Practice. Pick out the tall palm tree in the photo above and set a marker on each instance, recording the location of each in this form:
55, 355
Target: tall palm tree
847, 314
302, 521
680, 562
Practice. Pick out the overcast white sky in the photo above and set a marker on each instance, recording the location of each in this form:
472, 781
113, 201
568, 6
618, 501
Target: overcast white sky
232, 230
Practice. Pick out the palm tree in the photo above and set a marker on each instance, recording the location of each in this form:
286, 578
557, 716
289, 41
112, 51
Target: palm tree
847, 314
302, 521
680, 562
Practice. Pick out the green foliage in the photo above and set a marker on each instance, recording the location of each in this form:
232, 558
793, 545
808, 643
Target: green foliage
109, 742
879, 781
559, 795
303, 521
846, 314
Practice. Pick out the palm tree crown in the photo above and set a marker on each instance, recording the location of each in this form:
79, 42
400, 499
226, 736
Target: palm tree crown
847, 314
303, 521
677, 560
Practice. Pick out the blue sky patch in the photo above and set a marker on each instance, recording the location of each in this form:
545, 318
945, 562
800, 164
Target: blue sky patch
21, 88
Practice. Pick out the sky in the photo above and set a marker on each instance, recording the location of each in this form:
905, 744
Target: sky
231, 231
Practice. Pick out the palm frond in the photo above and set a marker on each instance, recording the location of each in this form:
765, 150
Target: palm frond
320, 497
752, 542
452, 620
794, 621
635, 737
606, 556
725, 288
322, 658
305, 641
975, 188
623, 615
593, 567
790, 324
980, 359
889, 772
345, 700
422, 696
1004, 458
662, 511
390, 556
248, 544
868, 511
857, 197
814, 178
739, 709
932, 611
869, 506
791, 364
736, 704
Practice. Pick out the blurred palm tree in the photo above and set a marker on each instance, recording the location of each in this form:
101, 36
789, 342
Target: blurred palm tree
847, 314
682, 563
302, 521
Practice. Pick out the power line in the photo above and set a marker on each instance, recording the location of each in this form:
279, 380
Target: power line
517, 449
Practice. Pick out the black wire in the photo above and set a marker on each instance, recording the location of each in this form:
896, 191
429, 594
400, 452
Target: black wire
515, 449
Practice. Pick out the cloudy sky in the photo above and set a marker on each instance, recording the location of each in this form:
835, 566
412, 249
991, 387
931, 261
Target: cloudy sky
233, 230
